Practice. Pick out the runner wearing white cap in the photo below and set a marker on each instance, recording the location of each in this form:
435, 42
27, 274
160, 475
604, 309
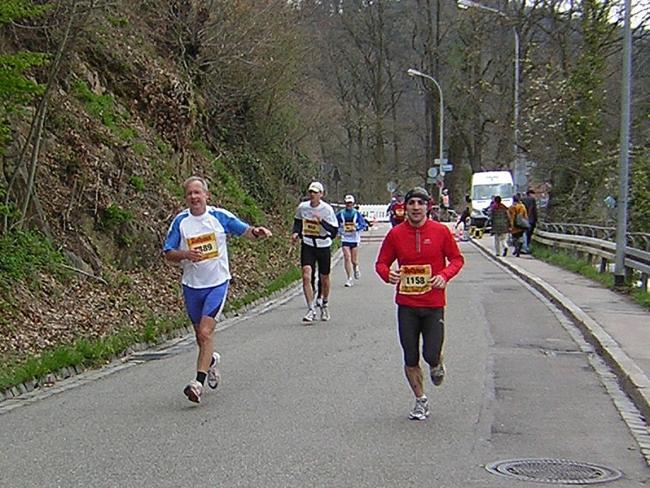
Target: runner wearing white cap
351, 223
315, 221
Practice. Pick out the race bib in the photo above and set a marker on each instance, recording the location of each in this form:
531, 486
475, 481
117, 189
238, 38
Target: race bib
349, 227
414, 279
206, 243
399, 212
310, 228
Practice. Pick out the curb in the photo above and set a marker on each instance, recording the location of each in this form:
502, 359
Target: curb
36, 385
631, 378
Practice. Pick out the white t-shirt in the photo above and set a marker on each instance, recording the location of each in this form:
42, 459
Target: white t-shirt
208, 233
313, 233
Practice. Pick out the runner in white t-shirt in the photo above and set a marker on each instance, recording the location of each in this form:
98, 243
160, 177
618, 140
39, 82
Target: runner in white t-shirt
315, 221
197, 240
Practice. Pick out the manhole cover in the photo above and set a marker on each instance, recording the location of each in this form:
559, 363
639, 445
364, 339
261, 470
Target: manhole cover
560, 471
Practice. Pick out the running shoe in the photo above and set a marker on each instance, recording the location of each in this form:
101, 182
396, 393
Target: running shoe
325, 313
357, 272
309, 318
420, 410
349, 282
438, 374
193, 391
214, 376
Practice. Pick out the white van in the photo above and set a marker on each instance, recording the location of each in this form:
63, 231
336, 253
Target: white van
485, 185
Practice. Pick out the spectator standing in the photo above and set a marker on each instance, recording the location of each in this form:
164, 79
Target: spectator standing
518, 217
530, 203
500, 226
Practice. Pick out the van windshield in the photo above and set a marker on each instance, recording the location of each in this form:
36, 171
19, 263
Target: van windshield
486, 192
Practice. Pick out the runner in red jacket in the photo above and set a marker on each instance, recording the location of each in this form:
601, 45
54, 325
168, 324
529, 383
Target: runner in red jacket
428, 257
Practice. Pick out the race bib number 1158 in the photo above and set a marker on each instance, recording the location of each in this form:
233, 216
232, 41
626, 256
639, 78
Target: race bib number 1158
415, 279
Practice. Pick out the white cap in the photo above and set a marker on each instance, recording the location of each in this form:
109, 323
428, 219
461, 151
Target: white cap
315, 186
349, 199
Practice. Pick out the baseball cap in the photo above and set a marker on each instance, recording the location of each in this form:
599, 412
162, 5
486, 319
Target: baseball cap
315, 186
349, 199
417, 192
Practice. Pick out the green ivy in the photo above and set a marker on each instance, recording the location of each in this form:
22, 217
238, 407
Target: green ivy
104, 108
24, 254
11, 10
114, 216
137, 182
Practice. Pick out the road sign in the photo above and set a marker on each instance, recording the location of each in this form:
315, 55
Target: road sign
431, 180
447, 168
437, 161
391, 186
432, 172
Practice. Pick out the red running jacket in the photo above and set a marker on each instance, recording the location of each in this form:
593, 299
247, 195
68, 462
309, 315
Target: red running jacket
433, 244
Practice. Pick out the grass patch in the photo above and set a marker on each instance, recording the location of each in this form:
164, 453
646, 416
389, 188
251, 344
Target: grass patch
105, 108
25, 255
86, 353
93, 353
137, 183
582, 267
114, 216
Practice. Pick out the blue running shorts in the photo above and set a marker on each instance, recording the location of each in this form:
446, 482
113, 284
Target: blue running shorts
204, 301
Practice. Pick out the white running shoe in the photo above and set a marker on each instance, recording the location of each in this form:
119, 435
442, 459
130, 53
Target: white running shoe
193, 391
349, 282
309, 318
357, 272
214, 376
420, 410
325, 313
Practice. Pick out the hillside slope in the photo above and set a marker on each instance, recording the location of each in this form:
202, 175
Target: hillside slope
126, 124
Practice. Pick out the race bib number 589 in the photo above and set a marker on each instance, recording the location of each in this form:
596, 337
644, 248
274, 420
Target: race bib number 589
206, 243
415, 279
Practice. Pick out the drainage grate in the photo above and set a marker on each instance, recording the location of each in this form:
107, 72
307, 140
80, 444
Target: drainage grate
560, 471
151, 355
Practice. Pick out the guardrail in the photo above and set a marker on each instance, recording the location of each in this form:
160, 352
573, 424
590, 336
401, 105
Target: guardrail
638, 240
635, 259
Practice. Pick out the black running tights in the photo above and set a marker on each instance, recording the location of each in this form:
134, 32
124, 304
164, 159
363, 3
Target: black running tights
428, 322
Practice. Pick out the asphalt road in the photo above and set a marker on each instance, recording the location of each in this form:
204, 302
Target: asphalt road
326, 405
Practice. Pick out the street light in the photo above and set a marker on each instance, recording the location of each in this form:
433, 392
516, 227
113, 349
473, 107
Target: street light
521, 179
414, 72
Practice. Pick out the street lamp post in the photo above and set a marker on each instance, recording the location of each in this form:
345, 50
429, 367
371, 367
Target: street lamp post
521, 179
626, 89
414, 72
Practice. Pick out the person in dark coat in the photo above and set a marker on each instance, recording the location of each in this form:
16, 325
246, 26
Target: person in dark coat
531, 208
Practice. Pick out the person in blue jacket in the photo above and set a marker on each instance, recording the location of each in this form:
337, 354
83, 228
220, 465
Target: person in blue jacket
351, 223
